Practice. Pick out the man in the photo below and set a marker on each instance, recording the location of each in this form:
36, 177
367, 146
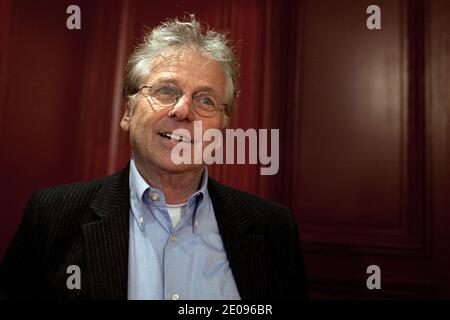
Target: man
160, 230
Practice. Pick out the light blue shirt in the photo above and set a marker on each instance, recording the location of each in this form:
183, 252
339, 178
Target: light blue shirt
185, 262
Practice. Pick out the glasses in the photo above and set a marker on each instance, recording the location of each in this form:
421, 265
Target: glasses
167, 95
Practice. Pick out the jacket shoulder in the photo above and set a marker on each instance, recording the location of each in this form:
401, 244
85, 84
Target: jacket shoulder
73, 193
262, 208
72, 202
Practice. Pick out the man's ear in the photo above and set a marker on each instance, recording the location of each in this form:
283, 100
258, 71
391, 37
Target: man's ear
126, 118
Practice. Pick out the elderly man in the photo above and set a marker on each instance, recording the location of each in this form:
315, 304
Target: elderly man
160, 230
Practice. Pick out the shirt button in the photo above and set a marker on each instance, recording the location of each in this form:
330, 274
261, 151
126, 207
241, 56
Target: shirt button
175, 296
141, 220
196, 223
154, 196
173, 238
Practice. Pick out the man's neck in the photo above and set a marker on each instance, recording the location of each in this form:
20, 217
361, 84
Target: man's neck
177, 187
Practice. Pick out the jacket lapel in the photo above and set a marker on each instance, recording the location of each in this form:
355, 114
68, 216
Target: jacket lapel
106, 239
243, 241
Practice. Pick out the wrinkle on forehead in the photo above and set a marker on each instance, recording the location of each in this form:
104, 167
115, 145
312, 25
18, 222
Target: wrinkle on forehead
173, 54
189, 65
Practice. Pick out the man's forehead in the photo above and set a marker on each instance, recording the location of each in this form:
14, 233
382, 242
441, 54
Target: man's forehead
188, 67
183, 58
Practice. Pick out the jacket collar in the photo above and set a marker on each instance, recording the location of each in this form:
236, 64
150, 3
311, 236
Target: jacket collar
242, 236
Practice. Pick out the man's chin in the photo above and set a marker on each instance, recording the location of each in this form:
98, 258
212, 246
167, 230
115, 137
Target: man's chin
170, 167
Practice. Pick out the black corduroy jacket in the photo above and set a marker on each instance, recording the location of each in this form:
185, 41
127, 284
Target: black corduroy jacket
87, 225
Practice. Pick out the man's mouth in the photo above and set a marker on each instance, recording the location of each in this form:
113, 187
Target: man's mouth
174, 137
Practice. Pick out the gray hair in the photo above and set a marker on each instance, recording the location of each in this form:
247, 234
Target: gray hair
181, 34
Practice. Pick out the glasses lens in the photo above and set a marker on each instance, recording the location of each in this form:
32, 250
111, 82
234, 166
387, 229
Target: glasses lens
165, 94
205, 103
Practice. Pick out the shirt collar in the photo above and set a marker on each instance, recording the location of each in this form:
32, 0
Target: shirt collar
141, 192
138, 186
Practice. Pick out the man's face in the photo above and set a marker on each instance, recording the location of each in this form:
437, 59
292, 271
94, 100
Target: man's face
147, 123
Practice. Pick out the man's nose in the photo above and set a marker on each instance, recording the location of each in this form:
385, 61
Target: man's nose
183, 109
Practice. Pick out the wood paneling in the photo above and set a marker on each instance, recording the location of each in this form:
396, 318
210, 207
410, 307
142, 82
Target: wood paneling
353, 134
438, 139
369, 144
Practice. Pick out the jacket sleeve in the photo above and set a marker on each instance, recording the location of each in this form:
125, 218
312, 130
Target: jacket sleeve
18, 268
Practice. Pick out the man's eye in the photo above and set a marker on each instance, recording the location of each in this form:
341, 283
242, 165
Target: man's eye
206, 101
165, 91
